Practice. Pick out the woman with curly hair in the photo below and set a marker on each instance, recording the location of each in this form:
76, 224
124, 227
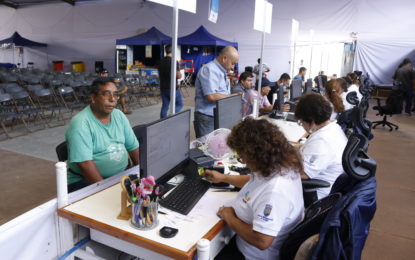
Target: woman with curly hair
333, 95
270, 202
323, 150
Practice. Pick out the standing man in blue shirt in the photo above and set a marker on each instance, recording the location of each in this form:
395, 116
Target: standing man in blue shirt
212, 84
301, 76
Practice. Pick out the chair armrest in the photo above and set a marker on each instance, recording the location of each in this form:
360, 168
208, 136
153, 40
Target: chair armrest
314, 183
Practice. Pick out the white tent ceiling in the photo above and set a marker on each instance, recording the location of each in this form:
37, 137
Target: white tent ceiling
88, 31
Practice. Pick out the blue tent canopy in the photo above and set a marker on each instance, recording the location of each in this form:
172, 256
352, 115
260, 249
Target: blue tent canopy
201, 37
18, 40
193, 47
151, 37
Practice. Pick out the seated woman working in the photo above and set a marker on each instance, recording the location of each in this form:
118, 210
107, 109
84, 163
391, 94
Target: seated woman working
270, 202
99, 138
323, 150
333, 95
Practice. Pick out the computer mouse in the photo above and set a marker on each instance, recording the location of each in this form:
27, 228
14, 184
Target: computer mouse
168, 232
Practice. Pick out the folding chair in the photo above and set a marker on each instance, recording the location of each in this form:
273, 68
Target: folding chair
47, 101
25, 106
69, 99
8, 114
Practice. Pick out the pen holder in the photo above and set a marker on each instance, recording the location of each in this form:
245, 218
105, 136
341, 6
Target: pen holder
145, 215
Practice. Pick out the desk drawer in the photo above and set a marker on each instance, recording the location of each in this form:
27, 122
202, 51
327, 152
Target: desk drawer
220, 241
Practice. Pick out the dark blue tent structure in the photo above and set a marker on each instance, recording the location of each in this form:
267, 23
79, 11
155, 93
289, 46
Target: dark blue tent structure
201, 37
152, 37
18, 40
201, 46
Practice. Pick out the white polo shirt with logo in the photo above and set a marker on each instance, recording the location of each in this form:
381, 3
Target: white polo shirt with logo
274, 206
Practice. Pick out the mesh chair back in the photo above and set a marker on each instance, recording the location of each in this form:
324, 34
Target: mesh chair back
314, 217
356, 163
352, 98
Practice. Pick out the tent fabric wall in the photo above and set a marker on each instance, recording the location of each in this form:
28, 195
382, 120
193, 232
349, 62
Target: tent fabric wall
87, 31
380, 59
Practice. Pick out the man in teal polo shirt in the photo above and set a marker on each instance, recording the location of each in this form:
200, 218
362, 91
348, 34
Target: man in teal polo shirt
99, 138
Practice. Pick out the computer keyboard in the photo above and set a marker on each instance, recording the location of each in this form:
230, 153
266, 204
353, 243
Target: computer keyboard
185, 196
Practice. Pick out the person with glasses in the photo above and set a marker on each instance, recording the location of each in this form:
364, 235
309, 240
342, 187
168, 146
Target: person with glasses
212, 84
322, 151
270, 203
100, 139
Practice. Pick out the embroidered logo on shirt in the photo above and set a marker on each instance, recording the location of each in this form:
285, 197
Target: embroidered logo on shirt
115, 152
246, 198
267, 210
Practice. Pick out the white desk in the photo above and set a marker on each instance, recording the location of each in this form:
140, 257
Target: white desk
99, 213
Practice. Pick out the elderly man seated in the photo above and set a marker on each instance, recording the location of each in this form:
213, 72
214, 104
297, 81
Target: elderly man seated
100, 138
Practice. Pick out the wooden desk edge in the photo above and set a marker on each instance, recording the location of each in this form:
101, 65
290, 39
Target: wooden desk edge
136, 239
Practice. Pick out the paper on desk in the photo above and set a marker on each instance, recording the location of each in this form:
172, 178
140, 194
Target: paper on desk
207, 207
291, 130
211, 202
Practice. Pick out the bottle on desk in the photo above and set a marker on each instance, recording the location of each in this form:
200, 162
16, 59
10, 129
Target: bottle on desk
203, 249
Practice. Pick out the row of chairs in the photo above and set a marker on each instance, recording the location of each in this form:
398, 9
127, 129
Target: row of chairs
56, 95
336, 227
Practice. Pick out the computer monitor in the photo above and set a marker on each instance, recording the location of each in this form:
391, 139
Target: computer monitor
164, 146
308, 86
228, 112
296, 89
279, 102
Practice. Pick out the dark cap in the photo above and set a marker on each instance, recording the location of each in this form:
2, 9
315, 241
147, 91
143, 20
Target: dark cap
266, 83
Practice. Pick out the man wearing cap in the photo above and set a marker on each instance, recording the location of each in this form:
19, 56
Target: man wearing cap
264, 105
212, 84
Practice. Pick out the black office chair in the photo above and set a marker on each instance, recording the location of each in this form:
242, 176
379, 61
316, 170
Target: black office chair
310, 187
394, 105
249, 69
353, 194
62, 151
314, 216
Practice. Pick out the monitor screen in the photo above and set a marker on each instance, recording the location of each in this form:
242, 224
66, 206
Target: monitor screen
280, 96
164, 144
296, 89
228, 112
308, 86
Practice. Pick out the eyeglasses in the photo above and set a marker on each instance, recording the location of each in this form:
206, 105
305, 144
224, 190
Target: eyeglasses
109, 94
300, 123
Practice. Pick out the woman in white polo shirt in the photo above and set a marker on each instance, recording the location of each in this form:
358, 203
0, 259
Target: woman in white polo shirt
270, 202
332, 93
323, 150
